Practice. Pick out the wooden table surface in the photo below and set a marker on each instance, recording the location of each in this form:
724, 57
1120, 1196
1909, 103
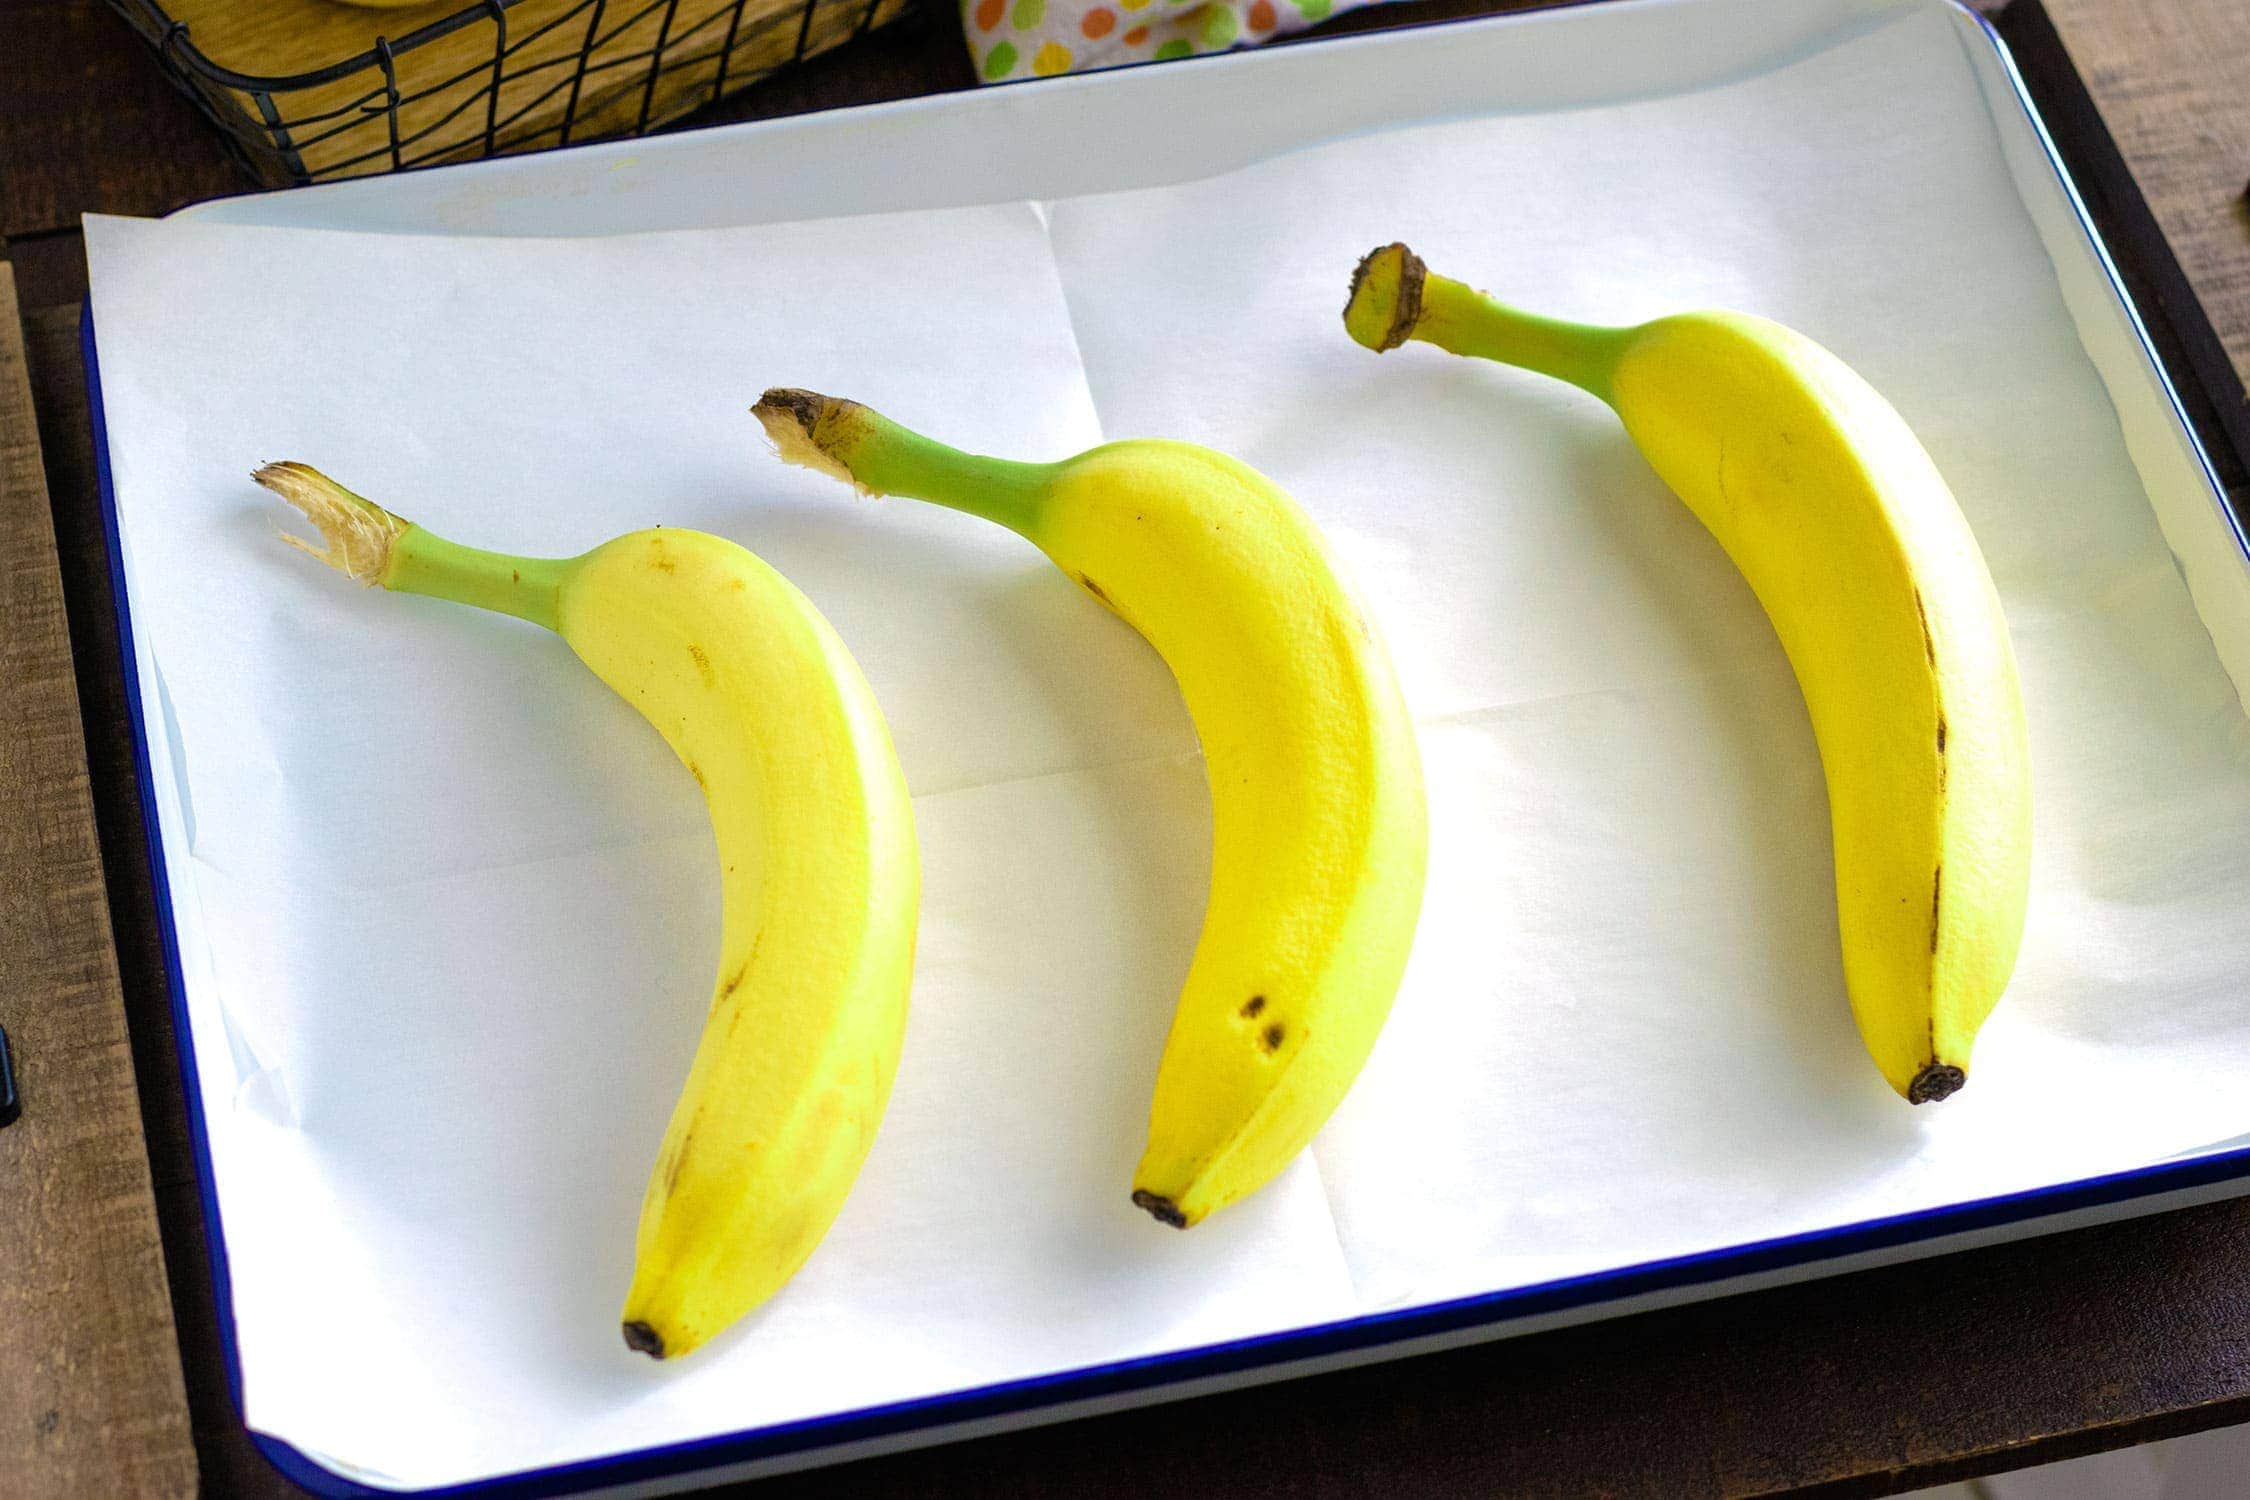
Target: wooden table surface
1865, 1384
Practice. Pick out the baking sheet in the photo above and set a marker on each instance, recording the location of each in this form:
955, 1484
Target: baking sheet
419, 856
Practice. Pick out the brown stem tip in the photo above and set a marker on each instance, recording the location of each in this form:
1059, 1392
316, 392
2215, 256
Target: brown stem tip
642, 1339
800, 406
809, 430
357, 534
1161, 1209
1936, 1081
1386, 299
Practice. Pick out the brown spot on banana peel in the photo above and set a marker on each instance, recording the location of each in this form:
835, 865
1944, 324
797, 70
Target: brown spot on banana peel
697, 772
1093, 588
1936, 1080
1252, 1006
642, 1339
1937, 893
1270, 1040
1160, 1208
1922, 616
733, 982
703, 665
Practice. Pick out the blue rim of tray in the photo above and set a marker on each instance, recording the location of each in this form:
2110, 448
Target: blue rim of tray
1126, 1377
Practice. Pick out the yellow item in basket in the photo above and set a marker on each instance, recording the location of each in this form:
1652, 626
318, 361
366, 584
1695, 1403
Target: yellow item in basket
554, 65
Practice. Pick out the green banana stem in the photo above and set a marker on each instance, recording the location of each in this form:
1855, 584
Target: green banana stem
863, 447
1395, 297
374, 546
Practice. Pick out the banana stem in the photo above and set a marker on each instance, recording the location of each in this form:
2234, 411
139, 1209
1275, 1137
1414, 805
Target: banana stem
368, 543
870, 451
1395, 297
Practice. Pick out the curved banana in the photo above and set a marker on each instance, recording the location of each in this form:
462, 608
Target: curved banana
755, 693
1318, 828
1850, 539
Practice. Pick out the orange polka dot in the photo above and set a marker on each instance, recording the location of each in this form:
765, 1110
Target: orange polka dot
1261, 16
1136, 36
989, 13
1100, 22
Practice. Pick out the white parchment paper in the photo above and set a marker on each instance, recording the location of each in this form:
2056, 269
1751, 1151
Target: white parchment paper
445, 903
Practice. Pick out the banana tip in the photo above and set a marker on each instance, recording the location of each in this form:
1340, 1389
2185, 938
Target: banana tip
1936, 1081
1160, 1208
1386, 297
642, 1339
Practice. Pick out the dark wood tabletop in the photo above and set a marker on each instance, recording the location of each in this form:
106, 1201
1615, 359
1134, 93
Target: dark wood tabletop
111, 1378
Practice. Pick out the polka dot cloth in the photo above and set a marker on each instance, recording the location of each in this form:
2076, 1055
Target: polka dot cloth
1039, 38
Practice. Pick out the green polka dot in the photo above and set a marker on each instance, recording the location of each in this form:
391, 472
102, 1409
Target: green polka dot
1314, 10
999, 60
1177, 47
1029, 13
1220, 27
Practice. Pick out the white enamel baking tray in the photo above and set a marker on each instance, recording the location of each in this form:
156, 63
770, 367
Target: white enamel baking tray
1051, 138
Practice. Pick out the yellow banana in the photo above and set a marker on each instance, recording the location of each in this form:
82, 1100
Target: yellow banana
1850, 539
755, 693
1318, 828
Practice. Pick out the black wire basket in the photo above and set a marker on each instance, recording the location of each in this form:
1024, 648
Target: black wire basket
492, 77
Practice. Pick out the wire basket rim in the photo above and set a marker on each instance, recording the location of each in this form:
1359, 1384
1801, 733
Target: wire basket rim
175, 40
272, 147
